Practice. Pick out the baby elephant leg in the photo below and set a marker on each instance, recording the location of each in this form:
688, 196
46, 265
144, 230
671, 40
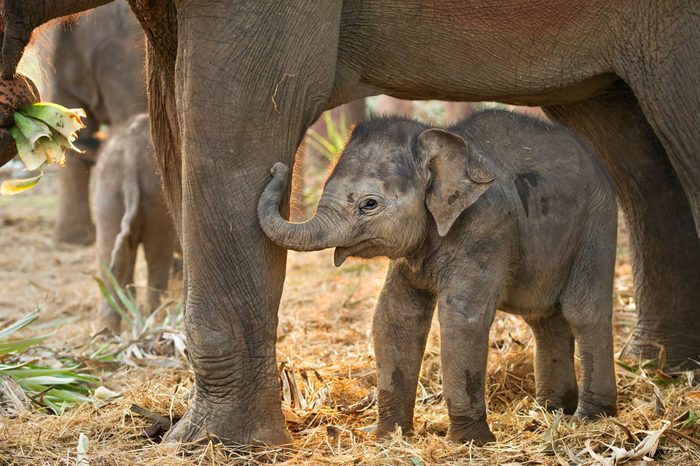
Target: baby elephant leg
587, 306
116, 251
400, 329
464, 331
158, 248
554, 363
122, 261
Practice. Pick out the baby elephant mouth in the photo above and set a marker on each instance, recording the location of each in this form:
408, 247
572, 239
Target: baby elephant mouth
340, 254
365, 249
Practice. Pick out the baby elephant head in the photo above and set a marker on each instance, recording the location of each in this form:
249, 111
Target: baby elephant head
393, 176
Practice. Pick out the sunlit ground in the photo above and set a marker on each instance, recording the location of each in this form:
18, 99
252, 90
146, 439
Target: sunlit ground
326, 356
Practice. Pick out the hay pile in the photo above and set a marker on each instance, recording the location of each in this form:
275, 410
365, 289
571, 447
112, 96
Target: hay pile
327, 373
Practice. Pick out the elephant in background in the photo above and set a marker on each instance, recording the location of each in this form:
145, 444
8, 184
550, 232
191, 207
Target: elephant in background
129, 210
233, 87
99, 66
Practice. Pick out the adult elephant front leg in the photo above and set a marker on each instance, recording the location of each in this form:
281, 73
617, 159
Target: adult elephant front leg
665, 247
246, 90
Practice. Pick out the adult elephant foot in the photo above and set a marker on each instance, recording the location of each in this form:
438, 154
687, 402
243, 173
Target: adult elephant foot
655, 340
204, 418
664, 245
244, 97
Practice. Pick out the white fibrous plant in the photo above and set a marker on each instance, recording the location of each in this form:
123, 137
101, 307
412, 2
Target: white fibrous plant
42, 132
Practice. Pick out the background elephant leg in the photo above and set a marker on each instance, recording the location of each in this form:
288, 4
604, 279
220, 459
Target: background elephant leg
399, 329
158, 247
554, 363
74, 222
245, 92
665, 246
109, 214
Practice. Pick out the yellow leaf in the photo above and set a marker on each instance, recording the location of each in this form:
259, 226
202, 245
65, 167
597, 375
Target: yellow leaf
11, 187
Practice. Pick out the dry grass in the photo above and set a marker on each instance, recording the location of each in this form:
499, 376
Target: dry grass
327, 359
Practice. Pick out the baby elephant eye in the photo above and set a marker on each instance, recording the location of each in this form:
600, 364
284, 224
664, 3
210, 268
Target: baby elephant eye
368, 204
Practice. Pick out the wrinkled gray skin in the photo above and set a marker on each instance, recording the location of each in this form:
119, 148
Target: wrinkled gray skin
98, 65
129, 210
499, 211
234, 85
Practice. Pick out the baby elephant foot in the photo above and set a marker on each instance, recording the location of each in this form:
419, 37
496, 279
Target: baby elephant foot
588, 410
468, 430
567, 402
385, 429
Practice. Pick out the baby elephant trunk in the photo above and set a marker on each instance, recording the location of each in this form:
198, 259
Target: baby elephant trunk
318, 233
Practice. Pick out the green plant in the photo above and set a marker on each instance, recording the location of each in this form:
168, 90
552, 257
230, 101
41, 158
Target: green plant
145, 332
333, 143
24, 383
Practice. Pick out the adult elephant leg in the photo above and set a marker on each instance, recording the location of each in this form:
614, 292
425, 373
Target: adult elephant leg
665, 247
74, 223
250, 77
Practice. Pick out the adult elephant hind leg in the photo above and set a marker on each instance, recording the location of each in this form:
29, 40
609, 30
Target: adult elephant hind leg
246, 90
664, 246
74, 223
665, 79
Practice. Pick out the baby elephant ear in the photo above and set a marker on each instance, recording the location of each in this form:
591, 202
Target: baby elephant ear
458, 172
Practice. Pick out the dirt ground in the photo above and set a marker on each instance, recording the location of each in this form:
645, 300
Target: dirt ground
325, 350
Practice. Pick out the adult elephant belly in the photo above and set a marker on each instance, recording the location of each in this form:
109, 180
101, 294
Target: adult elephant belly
458, 51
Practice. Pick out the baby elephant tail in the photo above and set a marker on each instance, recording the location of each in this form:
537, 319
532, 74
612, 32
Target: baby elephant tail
125, 239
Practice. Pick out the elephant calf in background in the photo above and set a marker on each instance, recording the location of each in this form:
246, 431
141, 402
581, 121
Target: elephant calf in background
500, 211
129, 209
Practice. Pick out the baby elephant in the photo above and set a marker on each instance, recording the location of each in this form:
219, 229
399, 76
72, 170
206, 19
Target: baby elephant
129, 209
499, 211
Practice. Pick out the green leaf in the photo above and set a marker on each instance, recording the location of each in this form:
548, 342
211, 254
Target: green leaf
31, 128
19, 324
66, 121
20, 345
31, 158
691, 421
104, 291
50, 380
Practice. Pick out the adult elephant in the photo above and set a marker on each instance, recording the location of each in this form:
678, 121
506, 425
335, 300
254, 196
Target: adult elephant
233, 86
99, 66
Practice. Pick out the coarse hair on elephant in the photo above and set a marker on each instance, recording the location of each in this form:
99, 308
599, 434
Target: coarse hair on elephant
232, 89
498, 211
129, 210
